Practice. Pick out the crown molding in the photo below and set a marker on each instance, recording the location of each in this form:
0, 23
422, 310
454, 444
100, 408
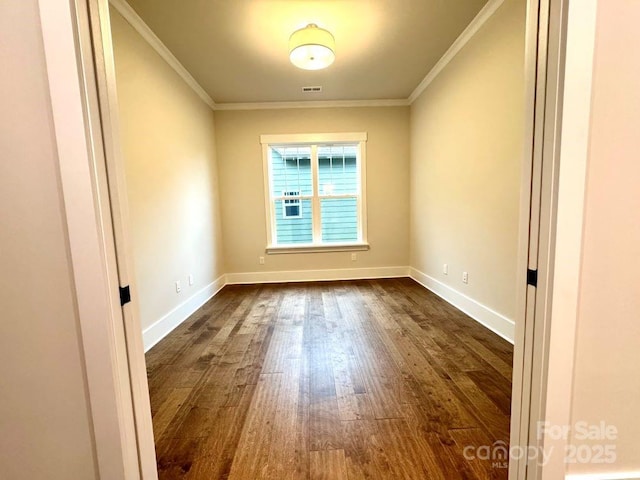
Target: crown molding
145, 32
467, 34
401, 102
143, 29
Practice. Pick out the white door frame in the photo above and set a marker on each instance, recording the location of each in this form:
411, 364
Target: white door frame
90, 232
95, 29
81, 74
85, 116
535, 81
564, 152
539, 92
545, 341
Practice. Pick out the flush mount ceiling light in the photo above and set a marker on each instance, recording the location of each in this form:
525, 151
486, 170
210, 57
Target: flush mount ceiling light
312, 48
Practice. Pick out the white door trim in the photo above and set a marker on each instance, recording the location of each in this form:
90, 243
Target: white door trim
560, 159
92, 251
95, 29
564, 182
534, 66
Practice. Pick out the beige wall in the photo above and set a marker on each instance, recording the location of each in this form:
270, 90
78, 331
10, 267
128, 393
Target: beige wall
606, 380
169, 149
466, 151
242, 184
44, 407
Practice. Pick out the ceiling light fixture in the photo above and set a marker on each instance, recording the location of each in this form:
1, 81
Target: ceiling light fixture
312, 48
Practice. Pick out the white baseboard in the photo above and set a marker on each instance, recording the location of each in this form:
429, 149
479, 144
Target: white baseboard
604, 476
160, 329
317, 275
491, 319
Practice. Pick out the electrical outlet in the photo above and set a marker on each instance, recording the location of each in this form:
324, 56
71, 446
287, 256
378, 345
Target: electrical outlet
178, 287
465, 277
354, 257
190, 279
261, 260
445, 269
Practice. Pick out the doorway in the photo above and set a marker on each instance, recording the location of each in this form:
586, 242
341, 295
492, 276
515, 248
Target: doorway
135, 371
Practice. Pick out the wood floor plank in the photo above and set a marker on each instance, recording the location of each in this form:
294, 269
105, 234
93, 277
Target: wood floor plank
373, 362
370, 379
328, 465
252, 454
505, 369
215, 453
410, 457
324, 419
494, 387
282, 458
167, 411
365, 458
178, 344
353, 402
495, 423
494, 467
452, 466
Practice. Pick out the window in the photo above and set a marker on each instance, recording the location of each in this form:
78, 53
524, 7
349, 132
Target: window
314, 192
291, 206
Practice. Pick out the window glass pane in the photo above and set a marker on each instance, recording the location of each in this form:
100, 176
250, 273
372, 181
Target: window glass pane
337, 169
291, 170
339, 219
294, 221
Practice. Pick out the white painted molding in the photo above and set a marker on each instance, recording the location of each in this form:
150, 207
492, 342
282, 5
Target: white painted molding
476, 24
179, 314
497, 323
605, 476
317, 275
90, 245
402, 102
145, 32
344, 247
304, 138
564, 155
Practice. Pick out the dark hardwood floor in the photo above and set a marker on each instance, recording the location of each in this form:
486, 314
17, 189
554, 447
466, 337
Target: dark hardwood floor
375, 379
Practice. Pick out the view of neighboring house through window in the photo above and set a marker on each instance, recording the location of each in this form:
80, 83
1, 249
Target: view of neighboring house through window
315, 190
291, 206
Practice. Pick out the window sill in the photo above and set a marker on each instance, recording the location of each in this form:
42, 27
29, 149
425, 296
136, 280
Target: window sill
338, 247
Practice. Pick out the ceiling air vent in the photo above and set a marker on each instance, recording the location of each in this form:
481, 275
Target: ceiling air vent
314, 89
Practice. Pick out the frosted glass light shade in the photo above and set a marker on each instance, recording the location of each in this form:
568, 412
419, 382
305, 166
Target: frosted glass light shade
312, 48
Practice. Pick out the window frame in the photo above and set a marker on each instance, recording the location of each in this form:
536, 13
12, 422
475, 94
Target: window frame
314, 141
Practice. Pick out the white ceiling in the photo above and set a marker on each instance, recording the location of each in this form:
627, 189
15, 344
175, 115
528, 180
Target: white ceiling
238, 49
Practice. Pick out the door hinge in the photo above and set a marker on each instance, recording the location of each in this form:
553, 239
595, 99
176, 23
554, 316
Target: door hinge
125, 295
532, 277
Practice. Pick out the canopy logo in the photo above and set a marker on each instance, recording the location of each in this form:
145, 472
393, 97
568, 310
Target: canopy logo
586, 443
499, 453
